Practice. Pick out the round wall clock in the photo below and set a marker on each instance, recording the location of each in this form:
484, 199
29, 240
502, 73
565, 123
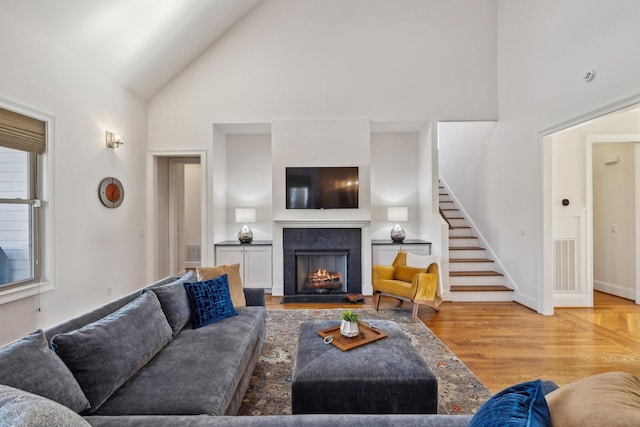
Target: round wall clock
111, 192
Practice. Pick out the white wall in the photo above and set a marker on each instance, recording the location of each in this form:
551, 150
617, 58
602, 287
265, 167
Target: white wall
249, 182
95, 247
569, 155
394, 181
305, 59
462, 159
614, 215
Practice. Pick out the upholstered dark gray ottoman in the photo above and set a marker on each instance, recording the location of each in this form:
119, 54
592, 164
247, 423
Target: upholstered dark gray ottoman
387, 376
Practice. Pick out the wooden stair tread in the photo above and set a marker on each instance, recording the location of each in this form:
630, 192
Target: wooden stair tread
462, 237
483, 288
474, 273
470, 260
461, 226
465, 248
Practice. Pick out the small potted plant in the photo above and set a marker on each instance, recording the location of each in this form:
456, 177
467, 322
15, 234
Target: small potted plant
349, 326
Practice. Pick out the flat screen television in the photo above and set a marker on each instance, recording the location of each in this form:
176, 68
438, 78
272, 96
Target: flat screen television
322, 187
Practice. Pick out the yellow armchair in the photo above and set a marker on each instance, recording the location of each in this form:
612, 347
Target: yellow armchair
419, 286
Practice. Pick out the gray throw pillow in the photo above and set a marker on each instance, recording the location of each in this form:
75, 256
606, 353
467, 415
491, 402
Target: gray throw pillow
175, 302
30, 365
104, 354
21, 409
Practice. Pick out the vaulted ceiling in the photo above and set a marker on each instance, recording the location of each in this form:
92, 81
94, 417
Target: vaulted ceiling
141, 44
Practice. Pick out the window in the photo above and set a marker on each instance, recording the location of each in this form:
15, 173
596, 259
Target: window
22, 144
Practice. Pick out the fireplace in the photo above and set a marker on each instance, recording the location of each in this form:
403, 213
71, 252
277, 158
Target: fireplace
320, 272
321, 264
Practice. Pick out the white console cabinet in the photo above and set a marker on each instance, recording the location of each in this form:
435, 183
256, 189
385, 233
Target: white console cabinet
255, 261
383, 252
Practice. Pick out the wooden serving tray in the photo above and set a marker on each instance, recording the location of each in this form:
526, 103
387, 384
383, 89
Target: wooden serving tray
366, 336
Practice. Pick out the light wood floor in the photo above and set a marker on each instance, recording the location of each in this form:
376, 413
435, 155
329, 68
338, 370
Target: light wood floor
506, 343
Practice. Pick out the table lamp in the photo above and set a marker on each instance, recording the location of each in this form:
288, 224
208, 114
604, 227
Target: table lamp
397, 214
245, 216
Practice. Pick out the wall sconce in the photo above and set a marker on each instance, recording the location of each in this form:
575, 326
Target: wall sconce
245, 216
114, 140
397, 214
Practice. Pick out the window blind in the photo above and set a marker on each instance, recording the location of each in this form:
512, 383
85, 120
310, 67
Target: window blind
21, 132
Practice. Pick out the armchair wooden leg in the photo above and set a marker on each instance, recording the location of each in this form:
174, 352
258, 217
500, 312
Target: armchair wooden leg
376, 297
416, 306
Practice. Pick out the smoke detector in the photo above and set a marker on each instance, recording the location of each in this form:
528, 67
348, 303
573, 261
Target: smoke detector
589, 75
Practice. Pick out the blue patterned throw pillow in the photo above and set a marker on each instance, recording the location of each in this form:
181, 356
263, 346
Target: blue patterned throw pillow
210, 301
523, 404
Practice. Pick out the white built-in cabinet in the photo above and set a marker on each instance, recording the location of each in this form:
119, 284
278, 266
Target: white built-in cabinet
255, 261
383, 252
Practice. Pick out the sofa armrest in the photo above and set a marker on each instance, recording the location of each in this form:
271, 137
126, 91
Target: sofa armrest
255, 296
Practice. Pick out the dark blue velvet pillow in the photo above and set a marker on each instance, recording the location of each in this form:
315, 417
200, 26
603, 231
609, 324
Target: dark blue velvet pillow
210, 301
523, 404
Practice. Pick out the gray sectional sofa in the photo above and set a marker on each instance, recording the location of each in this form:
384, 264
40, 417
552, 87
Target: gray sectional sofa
136, 361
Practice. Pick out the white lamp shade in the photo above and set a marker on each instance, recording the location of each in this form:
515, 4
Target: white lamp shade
245, 215
398, 213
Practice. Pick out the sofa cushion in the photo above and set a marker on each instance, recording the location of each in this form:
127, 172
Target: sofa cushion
608, 399
19, 408
199, 372
210, 301
233, 277
519, 405
104, 354
175, 302
405, 273
30, 365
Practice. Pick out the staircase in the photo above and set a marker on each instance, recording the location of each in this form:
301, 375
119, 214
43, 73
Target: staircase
472, 274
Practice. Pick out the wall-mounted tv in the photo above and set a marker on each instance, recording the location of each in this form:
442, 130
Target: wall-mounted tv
322, 187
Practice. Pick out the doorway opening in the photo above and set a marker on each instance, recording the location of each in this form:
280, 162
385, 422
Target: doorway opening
590, 169
616, 218
179, 213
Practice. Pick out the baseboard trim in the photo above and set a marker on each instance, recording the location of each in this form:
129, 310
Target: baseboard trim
613, 289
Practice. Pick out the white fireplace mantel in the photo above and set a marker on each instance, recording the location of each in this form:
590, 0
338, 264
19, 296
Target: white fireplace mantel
323, 223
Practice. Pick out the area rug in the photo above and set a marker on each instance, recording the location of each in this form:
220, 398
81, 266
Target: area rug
269, 393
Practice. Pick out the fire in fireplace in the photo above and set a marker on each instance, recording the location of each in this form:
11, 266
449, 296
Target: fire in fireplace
323, 279
321, 272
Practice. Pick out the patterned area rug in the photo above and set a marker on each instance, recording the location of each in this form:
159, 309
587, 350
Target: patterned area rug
269, 393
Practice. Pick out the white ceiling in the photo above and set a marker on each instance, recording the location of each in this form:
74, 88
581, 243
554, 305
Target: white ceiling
142, 44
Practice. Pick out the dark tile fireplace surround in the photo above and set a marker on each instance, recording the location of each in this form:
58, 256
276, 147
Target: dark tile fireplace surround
321, 264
